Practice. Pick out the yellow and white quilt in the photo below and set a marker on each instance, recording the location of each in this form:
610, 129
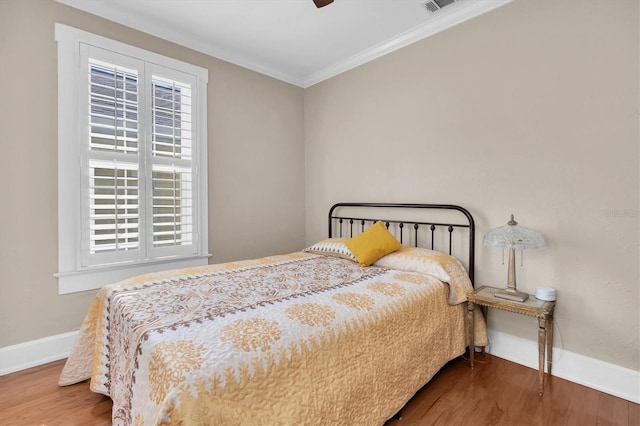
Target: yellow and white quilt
285, 340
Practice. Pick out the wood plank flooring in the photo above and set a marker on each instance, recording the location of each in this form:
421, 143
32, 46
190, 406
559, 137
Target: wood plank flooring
495, 392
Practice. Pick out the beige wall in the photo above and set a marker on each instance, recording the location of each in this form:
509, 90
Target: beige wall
531, 109
255, 145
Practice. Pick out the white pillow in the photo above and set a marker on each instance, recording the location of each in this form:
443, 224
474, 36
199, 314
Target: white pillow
444, 267
332, 247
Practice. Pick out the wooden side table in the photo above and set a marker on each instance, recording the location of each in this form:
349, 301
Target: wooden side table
532, 307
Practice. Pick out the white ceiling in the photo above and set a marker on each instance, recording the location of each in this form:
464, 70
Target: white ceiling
290, 40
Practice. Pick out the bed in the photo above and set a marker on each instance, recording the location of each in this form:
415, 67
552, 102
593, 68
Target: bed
310, 337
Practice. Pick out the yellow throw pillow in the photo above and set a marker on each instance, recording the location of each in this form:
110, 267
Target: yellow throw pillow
372, 244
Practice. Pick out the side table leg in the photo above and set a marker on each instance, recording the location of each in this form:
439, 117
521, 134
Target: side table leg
549, 344
470, 332
542, 340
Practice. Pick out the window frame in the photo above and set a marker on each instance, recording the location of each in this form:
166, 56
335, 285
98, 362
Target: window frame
74, 274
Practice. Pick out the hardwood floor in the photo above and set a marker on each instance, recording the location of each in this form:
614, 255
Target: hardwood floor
500, 392
495, 392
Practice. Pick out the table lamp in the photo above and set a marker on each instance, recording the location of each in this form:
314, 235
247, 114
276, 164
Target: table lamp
513, 236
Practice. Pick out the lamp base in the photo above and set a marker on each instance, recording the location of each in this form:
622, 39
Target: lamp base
512, 294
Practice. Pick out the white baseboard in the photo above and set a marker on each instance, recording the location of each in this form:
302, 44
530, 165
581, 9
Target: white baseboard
603, 376
593, 373
35, 352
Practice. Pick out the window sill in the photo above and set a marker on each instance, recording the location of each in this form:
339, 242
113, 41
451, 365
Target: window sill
96, 278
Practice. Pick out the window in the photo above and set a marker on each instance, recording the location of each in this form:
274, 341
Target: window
132, 161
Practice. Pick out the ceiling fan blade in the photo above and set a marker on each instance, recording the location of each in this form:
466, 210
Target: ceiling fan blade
322, 3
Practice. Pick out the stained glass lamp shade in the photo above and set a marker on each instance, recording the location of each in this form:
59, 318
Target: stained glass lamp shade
513, 237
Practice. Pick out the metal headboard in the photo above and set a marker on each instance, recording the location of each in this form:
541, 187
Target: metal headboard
414, 225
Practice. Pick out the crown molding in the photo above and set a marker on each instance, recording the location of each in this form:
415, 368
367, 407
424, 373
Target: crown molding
105, 11
447, 20
444, 20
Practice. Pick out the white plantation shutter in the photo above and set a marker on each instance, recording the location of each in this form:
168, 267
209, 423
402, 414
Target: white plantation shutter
172, 206
113, 187
172, 118
132, 161
132, 192
114, 218
139, 192
173, 212
172, 169
113, 112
